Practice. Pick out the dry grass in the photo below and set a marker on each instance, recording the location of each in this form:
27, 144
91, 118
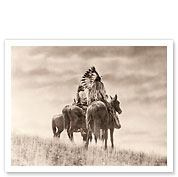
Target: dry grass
35, 151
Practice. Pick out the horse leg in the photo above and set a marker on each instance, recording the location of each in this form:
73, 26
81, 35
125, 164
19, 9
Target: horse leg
111, 135
87, 141
68, 133
72, 135
54, 128
106, 138
54, 131
73, 122
59, 133
88, 137
71, 129
95, 139
102, 135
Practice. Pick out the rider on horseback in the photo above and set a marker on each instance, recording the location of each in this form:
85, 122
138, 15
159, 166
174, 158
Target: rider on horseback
92, 89
92, 86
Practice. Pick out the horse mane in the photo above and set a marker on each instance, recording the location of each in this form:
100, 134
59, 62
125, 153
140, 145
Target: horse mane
102, 96
109, 106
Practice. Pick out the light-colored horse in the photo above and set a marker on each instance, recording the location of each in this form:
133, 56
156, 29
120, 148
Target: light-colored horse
58, 125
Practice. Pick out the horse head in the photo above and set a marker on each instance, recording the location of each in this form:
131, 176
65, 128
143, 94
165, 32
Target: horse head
115, 104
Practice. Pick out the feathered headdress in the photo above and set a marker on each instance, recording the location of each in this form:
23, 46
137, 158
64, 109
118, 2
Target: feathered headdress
89, 77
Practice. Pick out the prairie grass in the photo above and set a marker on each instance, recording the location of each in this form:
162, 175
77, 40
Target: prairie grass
36, 151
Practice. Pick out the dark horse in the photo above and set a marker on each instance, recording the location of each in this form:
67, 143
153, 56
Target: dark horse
114, 122
74, 118
102, 115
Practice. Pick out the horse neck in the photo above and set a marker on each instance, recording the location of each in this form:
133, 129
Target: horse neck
113, 106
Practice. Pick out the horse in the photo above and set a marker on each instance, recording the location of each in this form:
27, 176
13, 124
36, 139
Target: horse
102, 115
114, 122
74, 118
97, 118
115, 104
58, 125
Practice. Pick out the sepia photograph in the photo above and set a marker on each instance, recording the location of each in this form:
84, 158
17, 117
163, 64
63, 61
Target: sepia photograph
89, 105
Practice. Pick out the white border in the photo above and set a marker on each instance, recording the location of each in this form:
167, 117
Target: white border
168, 43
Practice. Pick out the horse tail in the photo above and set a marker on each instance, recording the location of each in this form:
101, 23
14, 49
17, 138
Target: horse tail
54, 126
93, 122
96, 129
96, 125
88, 119
66, 117
88, 122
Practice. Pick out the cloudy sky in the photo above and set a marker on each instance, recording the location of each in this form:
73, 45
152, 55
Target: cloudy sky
45, 79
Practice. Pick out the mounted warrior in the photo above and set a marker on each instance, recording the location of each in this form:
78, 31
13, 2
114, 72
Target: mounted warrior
92, 89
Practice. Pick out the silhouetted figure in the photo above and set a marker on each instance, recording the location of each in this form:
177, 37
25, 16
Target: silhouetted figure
93, 87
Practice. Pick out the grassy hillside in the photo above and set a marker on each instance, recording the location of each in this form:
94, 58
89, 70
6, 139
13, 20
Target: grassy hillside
35, 151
